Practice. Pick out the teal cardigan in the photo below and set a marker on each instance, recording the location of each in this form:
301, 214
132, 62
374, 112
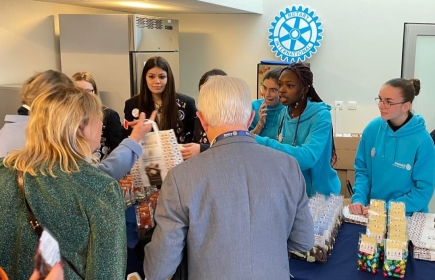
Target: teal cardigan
84, 211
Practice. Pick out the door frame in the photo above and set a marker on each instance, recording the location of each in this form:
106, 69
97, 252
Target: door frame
410, 33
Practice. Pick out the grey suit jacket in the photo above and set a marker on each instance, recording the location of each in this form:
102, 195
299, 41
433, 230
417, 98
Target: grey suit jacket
237, 207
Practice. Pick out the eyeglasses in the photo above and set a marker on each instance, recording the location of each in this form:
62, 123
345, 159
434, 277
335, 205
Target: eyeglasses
387, 104
264, 89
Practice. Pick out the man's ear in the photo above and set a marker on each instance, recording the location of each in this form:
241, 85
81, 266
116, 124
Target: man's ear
202, 120
251, 118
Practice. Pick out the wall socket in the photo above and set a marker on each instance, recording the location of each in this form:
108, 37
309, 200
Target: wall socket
339, 105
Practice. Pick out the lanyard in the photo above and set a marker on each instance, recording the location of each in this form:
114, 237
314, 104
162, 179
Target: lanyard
231, 134
279, 136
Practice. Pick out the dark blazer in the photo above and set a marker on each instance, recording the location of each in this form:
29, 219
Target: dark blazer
186, 116
199, 136
112, 132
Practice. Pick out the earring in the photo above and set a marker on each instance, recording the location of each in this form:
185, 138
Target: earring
296, 105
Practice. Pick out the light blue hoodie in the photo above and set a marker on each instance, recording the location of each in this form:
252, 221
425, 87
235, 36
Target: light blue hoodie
313, 147
396, 166
270, 129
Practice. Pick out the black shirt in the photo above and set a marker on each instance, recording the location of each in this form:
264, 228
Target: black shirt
396, 128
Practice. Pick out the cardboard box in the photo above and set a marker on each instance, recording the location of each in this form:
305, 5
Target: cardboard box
346, 147
344, 175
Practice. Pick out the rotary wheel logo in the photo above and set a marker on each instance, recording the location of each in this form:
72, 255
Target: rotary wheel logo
295, 34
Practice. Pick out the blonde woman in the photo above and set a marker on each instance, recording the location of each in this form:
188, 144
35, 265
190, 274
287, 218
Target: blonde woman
12, 135
80, 205
111, 136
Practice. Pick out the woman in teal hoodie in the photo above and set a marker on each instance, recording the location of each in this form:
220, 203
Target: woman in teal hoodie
268, 108
305, 130
395, 160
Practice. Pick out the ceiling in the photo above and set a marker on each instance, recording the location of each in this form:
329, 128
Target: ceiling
167, 6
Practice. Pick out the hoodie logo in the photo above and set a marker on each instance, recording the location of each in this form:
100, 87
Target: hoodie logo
402, 166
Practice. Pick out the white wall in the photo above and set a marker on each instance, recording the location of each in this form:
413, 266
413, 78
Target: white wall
29, 40
361, 49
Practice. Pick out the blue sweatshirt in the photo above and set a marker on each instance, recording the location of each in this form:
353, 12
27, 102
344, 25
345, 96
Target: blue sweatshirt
270, 129
313, 146
396, 166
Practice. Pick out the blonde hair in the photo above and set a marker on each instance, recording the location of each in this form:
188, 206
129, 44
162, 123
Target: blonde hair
87, 77
225, 100
53, 132
32, 87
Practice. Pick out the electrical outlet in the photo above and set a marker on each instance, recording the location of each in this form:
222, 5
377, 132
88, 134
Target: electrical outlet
339, 105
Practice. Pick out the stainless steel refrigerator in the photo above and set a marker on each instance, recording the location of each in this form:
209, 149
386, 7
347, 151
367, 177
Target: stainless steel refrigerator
114, 49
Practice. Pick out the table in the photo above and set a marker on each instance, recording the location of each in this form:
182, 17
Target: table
342, 264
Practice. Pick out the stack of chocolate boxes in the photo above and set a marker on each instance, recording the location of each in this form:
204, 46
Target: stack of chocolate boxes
327, 218
385, 244
134, 192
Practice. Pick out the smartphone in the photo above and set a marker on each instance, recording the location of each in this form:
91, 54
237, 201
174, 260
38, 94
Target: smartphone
47, 254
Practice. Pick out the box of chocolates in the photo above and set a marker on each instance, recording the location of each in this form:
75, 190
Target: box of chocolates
327, 217
385, 243
368, 254
145, 214
134, 193
422, 235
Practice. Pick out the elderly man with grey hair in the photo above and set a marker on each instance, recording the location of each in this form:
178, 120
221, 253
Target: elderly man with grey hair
236, 208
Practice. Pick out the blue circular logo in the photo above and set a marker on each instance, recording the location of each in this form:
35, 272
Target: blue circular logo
295, 34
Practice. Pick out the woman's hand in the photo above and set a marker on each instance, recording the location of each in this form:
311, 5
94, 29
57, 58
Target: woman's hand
189, 150
359, 209
140, 128
262, 112
56, 273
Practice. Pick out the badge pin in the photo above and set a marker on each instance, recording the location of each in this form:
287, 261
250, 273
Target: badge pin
105, 149
373, 152
181, 115
135, 113
97, 155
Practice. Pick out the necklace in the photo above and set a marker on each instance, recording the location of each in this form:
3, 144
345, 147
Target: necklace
158, 107
294, 115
